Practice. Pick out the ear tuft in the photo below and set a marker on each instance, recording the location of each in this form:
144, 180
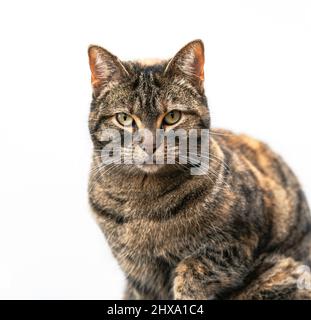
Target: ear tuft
189, 62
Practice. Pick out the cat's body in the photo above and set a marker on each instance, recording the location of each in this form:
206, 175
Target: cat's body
242, 231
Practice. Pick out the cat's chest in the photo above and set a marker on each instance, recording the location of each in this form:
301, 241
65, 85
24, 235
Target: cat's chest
142, 232
147, 243
141, 237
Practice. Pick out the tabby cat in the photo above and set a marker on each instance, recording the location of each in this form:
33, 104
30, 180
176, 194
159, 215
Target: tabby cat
240, 231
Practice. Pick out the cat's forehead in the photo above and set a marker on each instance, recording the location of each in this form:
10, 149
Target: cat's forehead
148, 93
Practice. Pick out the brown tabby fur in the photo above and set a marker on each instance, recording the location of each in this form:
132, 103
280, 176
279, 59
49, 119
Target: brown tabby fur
239, 232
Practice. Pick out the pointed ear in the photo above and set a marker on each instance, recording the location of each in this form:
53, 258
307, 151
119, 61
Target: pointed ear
105, 67
189, 62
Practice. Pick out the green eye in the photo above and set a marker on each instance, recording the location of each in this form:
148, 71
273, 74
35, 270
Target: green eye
172, 117
124, 119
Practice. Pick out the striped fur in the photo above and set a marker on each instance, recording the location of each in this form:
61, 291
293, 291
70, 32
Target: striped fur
240, 232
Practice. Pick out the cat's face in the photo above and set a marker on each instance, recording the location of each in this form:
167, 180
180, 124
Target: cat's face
143, 97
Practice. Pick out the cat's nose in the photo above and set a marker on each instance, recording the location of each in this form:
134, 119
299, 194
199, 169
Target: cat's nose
150, 148
149, 144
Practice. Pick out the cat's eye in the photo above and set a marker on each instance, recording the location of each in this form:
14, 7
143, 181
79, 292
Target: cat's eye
172, 117
124, 119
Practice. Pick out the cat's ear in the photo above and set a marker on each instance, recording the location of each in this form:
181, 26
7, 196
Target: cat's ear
189, 62
105, 67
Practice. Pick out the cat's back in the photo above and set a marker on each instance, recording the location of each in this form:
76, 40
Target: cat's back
256, 156
284, 200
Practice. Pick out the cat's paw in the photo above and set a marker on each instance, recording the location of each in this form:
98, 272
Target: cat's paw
191, 281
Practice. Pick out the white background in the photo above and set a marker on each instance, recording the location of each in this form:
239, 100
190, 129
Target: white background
258, 80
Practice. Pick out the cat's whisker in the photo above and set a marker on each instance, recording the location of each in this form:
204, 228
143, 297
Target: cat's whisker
220, 133
211, 156
198, 158
105, 172
208, 170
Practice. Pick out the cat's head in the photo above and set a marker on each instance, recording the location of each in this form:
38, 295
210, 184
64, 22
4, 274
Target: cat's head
150, 95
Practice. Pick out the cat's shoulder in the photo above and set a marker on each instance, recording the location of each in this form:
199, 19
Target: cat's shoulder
255, 153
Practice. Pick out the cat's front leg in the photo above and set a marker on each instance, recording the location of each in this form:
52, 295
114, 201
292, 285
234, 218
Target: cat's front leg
131, 293
209, 276
191, 281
